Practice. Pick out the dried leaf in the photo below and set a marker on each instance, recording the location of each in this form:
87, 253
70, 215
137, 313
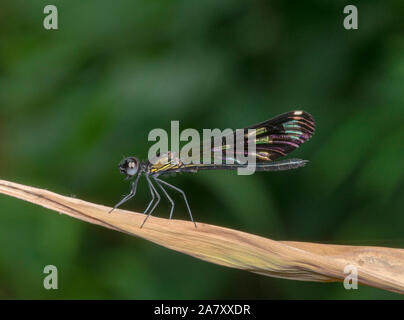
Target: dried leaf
377, 266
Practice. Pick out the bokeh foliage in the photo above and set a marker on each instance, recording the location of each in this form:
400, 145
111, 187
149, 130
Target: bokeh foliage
74, 101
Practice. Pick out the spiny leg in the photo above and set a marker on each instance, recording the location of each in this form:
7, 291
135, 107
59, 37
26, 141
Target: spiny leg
130, 195
167, 195
157, 202
183, 194
151, 201
157, 194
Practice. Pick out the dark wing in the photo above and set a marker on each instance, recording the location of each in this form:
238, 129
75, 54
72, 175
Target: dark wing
281, 135
274, 138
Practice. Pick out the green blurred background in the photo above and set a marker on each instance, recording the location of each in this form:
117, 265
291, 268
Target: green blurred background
75, 100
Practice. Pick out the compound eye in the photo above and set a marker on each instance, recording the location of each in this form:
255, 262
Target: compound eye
132, 165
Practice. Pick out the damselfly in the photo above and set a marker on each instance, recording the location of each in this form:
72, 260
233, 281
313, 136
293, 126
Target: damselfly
274, 138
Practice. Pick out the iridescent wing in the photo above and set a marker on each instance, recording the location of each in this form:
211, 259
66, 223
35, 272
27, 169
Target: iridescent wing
281, 135
274, 138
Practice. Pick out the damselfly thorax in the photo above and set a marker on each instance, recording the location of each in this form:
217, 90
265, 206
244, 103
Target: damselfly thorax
273, 139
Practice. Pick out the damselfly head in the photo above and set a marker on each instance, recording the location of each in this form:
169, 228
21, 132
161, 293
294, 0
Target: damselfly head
129, 166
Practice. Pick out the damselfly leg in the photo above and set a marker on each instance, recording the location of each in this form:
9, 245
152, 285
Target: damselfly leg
151, 201
167, 195
157, 202
180, 191
130, 195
